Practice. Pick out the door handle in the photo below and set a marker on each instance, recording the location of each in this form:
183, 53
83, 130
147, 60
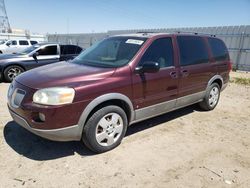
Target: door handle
173, 74
184, 73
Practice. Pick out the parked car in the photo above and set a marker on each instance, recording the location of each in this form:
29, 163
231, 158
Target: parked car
11, 65
117, 82
15, 46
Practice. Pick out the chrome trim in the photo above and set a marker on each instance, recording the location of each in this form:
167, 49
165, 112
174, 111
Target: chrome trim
70, 133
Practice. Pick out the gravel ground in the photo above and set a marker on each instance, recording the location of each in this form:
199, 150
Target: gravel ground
185, 148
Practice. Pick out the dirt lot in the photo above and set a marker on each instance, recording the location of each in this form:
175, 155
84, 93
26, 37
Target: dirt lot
185, 148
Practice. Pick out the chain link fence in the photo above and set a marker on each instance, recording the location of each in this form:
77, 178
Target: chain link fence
237, 39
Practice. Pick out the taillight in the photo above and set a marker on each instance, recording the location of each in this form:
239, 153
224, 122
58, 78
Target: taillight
230, 65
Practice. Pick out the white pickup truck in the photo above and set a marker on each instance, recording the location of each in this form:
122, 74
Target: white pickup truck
15, 46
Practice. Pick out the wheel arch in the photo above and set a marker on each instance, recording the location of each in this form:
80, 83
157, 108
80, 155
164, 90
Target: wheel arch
118, 99
216, 79
14, 64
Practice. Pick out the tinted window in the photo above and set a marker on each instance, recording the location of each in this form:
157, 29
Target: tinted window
12, 42
70, 49
78, 50
161, 51
192, 50
33, 42
49, 50
218, 48
23, 42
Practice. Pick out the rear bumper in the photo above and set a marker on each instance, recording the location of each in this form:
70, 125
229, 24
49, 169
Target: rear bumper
71, 133
1, 73
224, 86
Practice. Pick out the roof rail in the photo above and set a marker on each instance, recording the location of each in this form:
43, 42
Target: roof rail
195, 33
146, 32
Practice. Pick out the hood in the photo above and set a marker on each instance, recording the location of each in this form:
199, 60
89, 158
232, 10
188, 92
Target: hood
11, 56
63, 74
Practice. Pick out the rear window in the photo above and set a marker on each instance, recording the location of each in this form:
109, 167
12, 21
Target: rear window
33, 42
70, 49
23, 42
192, 50
219, 49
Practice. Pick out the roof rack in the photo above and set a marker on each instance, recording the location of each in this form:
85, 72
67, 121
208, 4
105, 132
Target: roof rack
146, 32
195, 33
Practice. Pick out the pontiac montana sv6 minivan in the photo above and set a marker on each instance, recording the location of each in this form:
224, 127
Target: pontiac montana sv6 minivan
117, 82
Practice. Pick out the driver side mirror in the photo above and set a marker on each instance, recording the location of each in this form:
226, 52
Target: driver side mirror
34, 55
148, 67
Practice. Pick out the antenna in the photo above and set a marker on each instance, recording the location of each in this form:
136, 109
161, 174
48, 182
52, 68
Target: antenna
4, 21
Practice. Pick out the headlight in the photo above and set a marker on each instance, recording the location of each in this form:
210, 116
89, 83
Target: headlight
54, 96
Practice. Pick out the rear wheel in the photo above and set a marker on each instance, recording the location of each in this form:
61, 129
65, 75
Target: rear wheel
105, 129
11, 72
212, 97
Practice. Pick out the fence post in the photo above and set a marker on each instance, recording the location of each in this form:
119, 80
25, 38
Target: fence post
240, 50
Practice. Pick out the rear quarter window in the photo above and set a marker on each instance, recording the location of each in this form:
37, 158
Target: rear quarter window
32, 42
219, 49
23, 42
192, 50
70, 49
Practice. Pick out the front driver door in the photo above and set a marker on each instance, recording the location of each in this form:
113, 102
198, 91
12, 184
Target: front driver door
155, 93
46, 55
11, 47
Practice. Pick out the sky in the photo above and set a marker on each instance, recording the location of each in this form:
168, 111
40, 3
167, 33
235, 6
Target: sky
88, 16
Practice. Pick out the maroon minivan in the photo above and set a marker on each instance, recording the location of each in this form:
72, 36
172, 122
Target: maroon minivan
117, 82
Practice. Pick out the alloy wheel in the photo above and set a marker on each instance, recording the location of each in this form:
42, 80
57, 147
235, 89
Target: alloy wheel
109, 129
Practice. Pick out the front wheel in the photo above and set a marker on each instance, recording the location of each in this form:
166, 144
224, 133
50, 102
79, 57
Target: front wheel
211, 98
11, 72
105, 129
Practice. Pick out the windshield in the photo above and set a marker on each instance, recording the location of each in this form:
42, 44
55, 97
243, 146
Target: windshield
29, 49
111, 52
2, 41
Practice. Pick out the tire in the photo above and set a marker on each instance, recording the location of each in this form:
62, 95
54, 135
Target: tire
11, 72
106, 123
211, 98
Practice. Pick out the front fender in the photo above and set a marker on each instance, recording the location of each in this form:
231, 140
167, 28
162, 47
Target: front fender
102, 99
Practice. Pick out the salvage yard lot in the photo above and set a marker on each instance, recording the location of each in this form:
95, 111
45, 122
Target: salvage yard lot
184, 148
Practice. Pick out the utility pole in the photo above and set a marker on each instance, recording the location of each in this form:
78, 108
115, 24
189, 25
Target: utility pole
4, 21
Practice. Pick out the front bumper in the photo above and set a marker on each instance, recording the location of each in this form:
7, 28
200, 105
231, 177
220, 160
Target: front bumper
71, 133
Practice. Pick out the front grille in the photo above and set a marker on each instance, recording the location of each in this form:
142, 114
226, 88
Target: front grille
17, 97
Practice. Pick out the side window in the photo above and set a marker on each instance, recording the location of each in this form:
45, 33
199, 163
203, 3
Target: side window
218, 48
48, 50
68, 49
23, 42
161, 51
192, 50
63, 49
33, 42
78, 50
11, 43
